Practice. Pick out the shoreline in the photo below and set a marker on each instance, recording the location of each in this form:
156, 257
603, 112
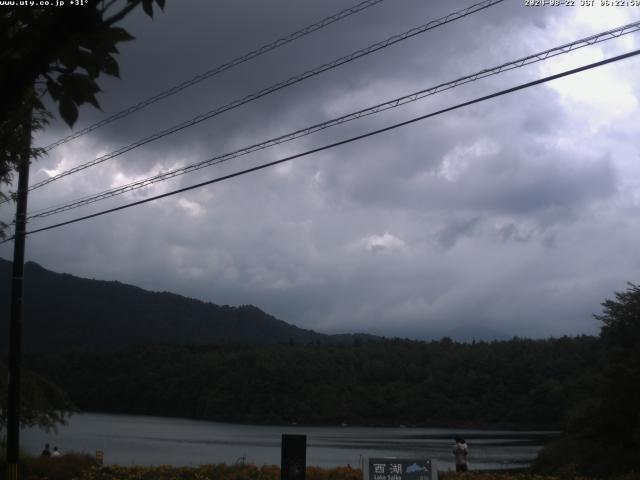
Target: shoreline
542, 430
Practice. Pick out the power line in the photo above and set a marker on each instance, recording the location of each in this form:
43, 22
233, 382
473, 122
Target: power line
219, 69
534, 58
343, 142
278, 86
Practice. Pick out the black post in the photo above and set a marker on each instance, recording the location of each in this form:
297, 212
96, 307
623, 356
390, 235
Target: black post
15, 326
293, 461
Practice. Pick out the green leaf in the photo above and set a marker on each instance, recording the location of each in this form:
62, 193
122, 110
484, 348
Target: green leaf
94, 101
110, 66
88, 61
117, 34
55, 90
103, 41
147, 6
68, 111
80, 88
69, 58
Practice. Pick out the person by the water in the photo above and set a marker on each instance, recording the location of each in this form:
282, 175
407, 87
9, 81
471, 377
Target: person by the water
46, 452
460, 453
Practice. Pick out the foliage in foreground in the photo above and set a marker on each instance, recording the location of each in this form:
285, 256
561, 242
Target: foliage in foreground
83, 467
69, 466
519, 476
42, 403
603, 438
74, 466
58, 53
494, 476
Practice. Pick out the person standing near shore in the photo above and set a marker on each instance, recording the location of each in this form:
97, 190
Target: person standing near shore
460, 453
46, 452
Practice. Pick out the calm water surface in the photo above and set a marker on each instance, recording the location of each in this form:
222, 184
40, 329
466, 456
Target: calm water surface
142, 440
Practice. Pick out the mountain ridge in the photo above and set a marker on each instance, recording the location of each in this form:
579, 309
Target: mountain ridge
66, 312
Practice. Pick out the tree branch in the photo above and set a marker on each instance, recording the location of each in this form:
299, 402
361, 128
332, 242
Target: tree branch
121, 14
108, 5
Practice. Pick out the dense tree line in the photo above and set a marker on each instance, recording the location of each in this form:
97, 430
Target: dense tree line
515, 383
602, 437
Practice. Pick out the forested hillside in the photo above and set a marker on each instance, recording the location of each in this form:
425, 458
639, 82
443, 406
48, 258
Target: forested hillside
522, 383
63, 312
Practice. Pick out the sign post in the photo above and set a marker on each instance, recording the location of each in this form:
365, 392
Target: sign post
294, 457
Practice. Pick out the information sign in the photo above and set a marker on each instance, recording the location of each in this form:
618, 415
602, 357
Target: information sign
400, 469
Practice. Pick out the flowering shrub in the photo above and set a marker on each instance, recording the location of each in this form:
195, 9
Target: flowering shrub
520, 476
495, 476
66, 467
83, 467
211, 472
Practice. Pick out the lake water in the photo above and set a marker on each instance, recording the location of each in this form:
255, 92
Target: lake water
143, 440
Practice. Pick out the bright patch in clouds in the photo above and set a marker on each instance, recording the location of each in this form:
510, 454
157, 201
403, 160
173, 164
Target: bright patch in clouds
193, 209
597, 17
455, 163
604, 93
386, 241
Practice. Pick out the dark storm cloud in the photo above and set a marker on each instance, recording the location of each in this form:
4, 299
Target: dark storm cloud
448, 236
165, 55
518, 214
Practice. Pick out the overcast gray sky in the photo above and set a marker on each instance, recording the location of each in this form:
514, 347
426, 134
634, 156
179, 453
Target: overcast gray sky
520, 214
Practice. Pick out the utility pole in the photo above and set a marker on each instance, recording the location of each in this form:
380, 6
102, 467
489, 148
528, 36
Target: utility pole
15, 325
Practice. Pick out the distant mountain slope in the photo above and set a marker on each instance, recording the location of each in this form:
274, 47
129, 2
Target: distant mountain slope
64, 312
